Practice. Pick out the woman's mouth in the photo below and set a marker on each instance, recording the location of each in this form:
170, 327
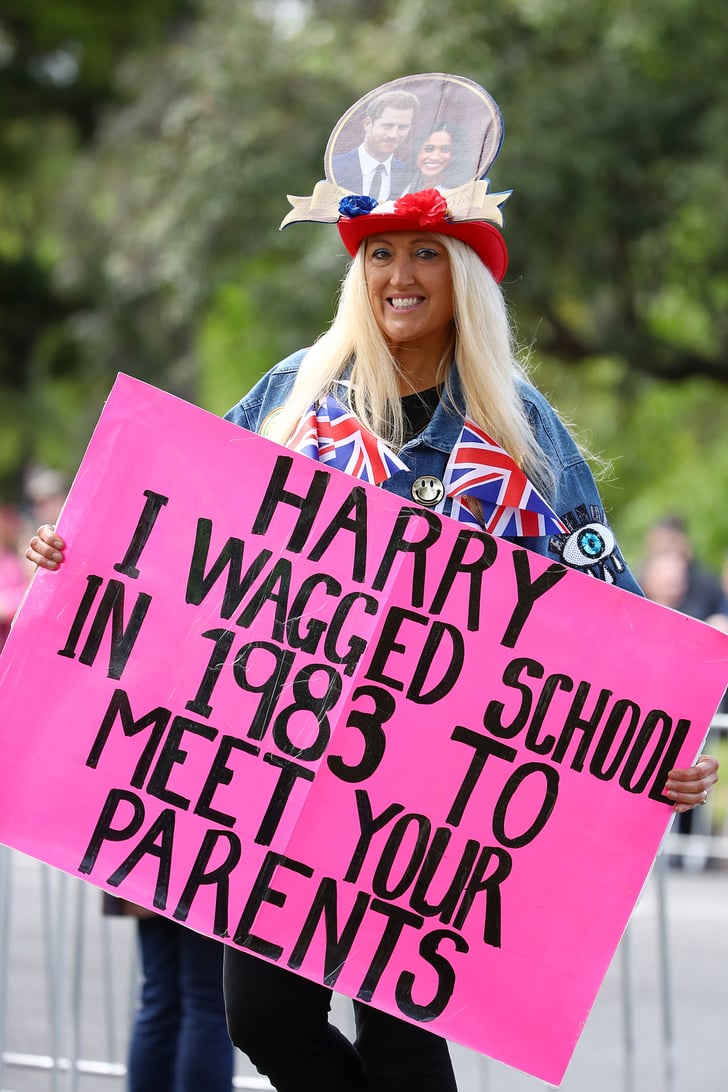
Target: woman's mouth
404, 303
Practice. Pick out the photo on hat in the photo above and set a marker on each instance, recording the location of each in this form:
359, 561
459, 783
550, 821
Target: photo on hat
411, 154
429, 131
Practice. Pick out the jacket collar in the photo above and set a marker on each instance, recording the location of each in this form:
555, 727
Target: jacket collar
443, 431
445, 426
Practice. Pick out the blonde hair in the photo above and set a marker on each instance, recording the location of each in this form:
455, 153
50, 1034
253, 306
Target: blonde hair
354, 348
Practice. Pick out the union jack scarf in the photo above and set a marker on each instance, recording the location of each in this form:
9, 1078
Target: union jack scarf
331, 433
478, 467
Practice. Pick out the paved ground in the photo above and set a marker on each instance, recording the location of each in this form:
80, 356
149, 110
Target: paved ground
69, 981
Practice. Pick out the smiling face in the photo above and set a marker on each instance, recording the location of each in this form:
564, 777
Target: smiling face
410, 290
435, 155
384, 135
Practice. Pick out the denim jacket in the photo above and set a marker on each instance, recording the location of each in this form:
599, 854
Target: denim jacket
588, 545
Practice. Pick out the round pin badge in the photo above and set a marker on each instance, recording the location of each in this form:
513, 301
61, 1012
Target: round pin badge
428, 491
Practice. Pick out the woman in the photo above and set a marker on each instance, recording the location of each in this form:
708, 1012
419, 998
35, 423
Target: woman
420, 349
179, 1040
13, 570
441, 159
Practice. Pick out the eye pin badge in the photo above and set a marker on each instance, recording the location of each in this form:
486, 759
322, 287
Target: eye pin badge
428, 491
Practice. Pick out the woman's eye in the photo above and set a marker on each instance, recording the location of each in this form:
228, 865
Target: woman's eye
380, 253
425, 252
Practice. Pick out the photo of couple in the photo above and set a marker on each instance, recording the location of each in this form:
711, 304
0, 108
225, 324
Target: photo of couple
414, 135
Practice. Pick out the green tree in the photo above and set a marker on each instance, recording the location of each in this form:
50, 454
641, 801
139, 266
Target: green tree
166, 254
57, 76
614, 113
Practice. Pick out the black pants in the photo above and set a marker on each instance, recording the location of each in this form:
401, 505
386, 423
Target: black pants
281, 1021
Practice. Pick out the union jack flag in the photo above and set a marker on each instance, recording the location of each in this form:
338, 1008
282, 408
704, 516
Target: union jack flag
479, 467
462, 513
332, 434
305, 438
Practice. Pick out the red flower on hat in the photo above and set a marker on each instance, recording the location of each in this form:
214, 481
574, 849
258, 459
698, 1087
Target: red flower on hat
426, 207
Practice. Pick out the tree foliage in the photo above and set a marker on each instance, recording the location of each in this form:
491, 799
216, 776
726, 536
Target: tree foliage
617, 225
158, 252
59, 59
57, 77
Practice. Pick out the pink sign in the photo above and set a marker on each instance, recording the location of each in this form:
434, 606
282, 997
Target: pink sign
380, 748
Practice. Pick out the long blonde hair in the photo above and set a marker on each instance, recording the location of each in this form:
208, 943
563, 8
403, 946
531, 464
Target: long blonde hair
490, 373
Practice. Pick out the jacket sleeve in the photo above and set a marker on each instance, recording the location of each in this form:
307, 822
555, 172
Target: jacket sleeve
257, 408
588, 544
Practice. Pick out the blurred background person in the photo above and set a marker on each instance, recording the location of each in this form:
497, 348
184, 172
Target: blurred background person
14, 570
179, 1038
45, 492
724, 587
665, 578
673, 577
702, 595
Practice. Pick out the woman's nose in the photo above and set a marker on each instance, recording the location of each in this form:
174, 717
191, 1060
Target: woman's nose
402, 272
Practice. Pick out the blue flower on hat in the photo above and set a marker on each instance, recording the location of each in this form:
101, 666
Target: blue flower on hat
356, 205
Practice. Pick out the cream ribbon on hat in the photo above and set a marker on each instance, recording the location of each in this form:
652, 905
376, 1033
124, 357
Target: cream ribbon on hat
471, 201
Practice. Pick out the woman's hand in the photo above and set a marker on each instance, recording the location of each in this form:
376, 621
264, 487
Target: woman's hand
687, 787
691, 787
46, 548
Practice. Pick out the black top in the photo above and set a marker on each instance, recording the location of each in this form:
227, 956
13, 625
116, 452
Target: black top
418, 410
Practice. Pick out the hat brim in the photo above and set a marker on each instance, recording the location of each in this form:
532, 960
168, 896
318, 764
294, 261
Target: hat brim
485, 239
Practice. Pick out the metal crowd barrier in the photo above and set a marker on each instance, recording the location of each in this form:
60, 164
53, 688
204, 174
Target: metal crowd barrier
708, 841
69, 975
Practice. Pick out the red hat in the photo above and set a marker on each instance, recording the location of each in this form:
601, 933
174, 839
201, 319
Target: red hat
415, 211
448, 196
